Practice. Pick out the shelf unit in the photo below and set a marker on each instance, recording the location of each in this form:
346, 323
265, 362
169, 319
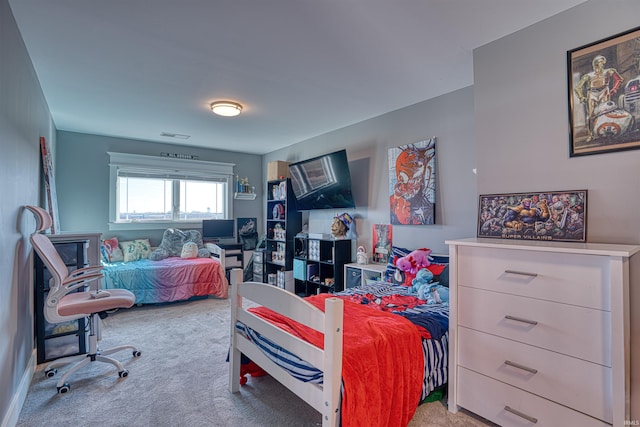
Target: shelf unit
244, 196
319, 265
358, 274
69, 338
283, 223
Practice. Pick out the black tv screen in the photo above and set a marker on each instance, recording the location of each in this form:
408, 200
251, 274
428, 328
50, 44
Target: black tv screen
218, 229
323, 182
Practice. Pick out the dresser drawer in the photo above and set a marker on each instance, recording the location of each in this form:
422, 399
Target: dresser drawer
569, 278
567, 329
489, 398
569, 381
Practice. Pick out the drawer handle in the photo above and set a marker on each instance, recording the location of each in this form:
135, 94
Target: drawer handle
519, 366
521, 273
520, 319
521, 415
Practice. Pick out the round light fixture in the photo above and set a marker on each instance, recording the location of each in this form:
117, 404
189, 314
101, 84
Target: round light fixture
226, 108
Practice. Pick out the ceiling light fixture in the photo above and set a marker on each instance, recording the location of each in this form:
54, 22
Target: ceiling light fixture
226, 108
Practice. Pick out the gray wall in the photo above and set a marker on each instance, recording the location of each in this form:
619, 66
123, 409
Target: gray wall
521, 113
83, 180
516, 134
24, 117
450, 119
512, 125
522, 129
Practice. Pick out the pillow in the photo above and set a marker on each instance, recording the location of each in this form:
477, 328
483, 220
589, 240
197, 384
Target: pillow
189, 250
172, 242
136, 249
110, 250
390, 272
443, 277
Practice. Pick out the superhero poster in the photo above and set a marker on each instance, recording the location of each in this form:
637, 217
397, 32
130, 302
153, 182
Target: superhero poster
547, 216
412, 183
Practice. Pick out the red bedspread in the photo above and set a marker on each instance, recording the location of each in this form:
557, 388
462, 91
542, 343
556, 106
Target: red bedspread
382, 362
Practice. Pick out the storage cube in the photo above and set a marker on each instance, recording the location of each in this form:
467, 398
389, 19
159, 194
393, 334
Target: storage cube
277, 170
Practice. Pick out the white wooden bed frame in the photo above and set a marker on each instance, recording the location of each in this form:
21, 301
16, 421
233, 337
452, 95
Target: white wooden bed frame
218, 253
325, 398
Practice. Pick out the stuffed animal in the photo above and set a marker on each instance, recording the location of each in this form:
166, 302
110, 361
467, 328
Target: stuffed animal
423, 277
437, 294
414, 261
173, 241
422, 283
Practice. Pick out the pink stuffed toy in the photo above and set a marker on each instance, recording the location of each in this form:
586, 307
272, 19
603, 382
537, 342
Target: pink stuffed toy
414, 261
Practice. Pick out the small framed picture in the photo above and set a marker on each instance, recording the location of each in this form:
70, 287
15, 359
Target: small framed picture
382, 241
604, 95
546, 215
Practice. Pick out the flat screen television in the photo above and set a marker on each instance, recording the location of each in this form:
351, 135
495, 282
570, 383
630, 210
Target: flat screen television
323, 182
219, 230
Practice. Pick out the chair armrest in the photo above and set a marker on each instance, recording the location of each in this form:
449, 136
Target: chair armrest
70, 285
91, 269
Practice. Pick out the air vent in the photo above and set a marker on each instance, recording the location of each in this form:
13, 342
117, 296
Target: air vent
175, 135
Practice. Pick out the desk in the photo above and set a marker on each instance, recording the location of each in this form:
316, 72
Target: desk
53, 341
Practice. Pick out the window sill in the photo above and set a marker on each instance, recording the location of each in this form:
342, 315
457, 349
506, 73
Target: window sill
119, 226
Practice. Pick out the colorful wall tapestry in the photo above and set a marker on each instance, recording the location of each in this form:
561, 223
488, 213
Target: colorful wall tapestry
412, 183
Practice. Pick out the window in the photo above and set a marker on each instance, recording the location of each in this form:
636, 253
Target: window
149, 192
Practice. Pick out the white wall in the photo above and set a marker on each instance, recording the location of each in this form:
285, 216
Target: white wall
24, 117
522, 131
450, 119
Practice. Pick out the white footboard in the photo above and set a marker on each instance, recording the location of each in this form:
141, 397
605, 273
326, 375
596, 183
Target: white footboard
218, 253
325, 397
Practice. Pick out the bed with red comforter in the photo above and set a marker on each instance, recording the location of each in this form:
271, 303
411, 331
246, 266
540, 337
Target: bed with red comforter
362, 362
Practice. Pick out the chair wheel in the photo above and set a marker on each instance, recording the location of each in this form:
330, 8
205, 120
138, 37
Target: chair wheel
123, 374
64, 388
50, 372
137, 353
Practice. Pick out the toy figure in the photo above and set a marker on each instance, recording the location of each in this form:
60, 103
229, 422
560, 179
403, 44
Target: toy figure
340, 225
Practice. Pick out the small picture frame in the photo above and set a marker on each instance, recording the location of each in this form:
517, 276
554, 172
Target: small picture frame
604, 95
545, 215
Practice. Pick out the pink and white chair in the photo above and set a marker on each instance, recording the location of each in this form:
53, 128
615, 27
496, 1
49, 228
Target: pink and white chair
70, 298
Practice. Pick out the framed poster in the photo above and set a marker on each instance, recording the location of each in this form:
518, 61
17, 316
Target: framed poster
412, 183
382, 240
50, 185
549, 215
604, 95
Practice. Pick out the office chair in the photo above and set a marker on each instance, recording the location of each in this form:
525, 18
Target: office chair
70, 298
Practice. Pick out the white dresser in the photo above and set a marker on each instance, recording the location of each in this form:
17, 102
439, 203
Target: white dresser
539, 332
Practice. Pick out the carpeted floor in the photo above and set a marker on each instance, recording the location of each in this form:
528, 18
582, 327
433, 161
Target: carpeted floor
180, 380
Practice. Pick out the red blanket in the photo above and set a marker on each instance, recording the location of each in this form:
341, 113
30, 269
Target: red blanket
382, 362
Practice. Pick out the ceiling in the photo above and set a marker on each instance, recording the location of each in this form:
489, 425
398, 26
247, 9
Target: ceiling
300, 68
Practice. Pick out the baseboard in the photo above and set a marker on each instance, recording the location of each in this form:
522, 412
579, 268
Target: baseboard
11, 417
